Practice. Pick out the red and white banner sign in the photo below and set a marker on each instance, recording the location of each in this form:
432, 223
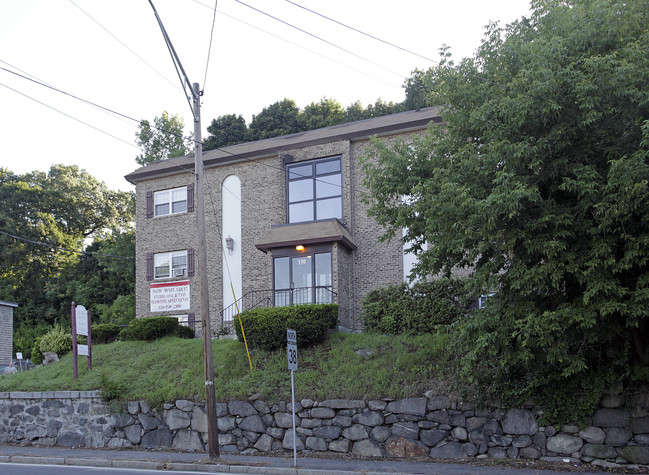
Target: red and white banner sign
167, 296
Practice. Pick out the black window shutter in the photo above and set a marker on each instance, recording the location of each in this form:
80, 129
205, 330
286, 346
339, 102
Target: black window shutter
149, 266
190, 198
190, 262
191, 319
149, 204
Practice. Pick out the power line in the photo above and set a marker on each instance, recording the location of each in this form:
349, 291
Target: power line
71, 117
126, 46
321, 39
299, 46
209, 49
363, 33
52, 246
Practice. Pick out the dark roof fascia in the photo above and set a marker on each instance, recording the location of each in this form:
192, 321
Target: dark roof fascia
384, 125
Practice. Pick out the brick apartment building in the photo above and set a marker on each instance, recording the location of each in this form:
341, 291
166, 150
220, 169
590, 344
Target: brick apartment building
285, 224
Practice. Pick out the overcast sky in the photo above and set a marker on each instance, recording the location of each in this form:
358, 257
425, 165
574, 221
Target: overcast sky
112, 53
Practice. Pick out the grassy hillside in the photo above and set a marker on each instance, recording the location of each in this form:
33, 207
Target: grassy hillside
172, 368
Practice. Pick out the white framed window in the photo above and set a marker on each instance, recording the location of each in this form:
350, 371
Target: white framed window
170, 264
171, 201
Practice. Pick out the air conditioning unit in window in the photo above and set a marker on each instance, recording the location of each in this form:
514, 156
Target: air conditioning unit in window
180, 272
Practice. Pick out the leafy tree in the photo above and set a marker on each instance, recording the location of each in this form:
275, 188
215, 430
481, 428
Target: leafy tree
325, 113
280, 118
226, 130
538, 181
163, 140
44, 219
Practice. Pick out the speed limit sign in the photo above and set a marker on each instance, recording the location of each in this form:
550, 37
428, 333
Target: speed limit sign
291, 349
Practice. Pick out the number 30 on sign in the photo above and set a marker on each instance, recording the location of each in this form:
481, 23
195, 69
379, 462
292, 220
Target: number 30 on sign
291, 349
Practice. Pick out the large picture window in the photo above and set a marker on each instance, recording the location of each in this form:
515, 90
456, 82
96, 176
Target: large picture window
314, 190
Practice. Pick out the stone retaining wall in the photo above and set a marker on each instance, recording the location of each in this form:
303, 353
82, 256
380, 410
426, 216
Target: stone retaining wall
429, 426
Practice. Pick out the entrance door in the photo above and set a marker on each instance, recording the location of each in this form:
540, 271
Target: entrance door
302, 279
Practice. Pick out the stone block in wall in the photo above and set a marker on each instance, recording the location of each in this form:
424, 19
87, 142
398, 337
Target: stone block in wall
522, 441
133, 433
531, 453
227, 439
479, 436
497, 453
316, 443
435, 403
564, 444
473, 423
177, 419
343, 404
432, 437
452, 450
69, 439
327, 432
323, 413
185, 405
253, 423
355, 432
133, 407
261, 407
402, 447
415, 406
380, 433
52, 428
148, 422
370, 418
340, 445
611, 418
275, 432
188, 440
617, 436
285, 420
519, 422
460, 433
367, 448
157, 438
311, 423
642, 439
592, 435
241, 408
377, 405
640, 425
287, 442
599, 451
441, 417
221, 409
408, 430
342, 421
636, 454
119, 421
199, 420
264, 443
470, 449
226, 424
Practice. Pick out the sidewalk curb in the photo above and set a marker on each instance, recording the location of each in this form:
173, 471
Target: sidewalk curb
177, 466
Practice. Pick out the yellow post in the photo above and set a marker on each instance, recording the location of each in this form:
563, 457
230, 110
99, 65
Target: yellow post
241, 324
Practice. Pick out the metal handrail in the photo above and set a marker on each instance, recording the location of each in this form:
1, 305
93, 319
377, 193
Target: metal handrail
279, 298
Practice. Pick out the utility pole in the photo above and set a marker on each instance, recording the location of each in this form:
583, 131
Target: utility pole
208, 360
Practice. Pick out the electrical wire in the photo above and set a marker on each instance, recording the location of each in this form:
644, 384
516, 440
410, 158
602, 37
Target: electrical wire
126, 46
363, 33
322, 39
71, 117
51, 246
209, 49
301, 46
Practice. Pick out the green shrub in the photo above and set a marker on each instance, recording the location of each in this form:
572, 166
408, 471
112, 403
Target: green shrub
152, 328
417, 309
185, 332
104, 333
57, 340
265, 328
37, 354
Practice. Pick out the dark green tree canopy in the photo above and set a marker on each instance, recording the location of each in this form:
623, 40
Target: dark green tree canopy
280, 118
226, 130
538, 181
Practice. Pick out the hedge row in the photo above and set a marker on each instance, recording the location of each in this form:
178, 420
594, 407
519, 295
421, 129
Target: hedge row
265, 328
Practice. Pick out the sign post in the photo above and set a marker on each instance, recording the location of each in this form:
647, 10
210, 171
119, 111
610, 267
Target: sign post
80, 326
291, 349
19, 357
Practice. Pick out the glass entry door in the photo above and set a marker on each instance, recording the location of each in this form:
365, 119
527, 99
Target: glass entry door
302, 279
